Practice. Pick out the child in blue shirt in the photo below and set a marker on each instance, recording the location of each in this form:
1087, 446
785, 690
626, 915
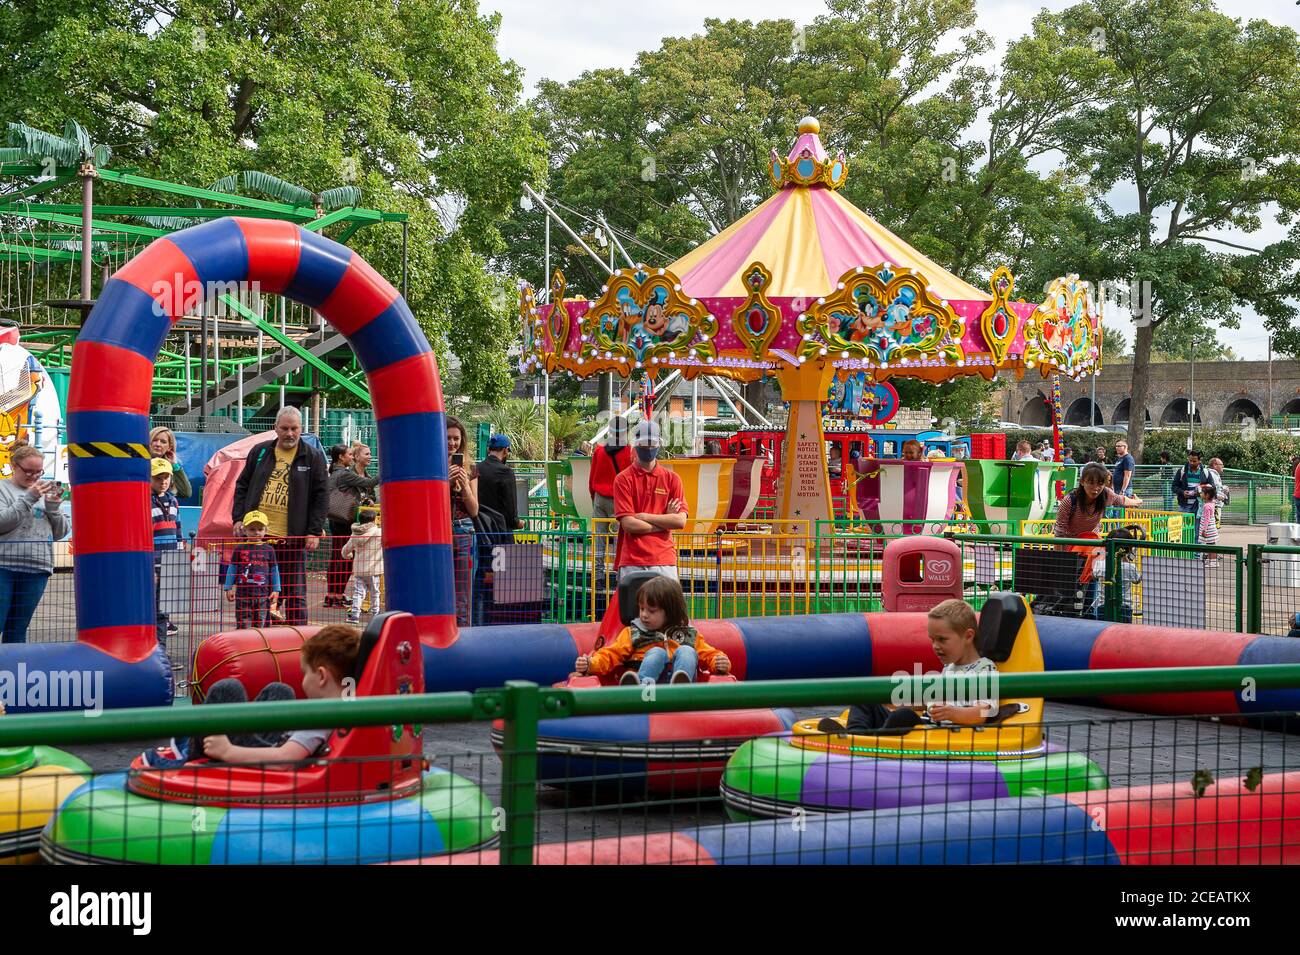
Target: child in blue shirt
253, 576
165, 513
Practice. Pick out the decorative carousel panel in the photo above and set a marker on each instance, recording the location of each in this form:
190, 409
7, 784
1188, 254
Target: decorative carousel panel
757, 321
557, 321
642, 318
1063, 334
533, 325
999, 324
857, 396
883, 317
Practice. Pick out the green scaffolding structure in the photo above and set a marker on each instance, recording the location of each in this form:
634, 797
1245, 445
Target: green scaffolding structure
62, 200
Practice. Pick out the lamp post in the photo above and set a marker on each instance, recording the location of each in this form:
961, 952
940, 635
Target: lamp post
1191, 409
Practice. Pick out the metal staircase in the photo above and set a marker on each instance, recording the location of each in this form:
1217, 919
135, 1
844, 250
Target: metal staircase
275, 365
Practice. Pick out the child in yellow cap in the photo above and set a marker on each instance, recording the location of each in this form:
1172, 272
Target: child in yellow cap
165, 513
253, 576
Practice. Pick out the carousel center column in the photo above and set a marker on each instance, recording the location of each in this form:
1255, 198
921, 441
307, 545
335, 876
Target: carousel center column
805, 487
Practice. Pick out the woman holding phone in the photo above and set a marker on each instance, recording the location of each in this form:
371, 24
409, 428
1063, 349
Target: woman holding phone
463, 483
30, 522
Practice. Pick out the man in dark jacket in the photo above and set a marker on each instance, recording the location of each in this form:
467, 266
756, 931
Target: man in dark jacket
496, 482
496, 495
287, 480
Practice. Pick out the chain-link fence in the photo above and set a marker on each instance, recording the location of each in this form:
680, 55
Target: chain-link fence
1253, 498
1126, 581
486, 778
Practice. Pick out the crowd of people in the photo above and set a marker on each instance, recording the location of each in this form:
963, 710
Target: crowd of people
287, 501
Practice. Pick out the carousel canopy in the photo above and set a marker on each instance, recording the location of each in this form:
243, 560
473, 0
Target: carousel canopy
803, 285
808, 235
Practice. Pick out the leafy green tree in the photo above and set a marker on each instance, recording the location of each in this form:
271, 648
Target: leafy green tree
1185, 123
408, 101
669, 151
1114, 346
962, 399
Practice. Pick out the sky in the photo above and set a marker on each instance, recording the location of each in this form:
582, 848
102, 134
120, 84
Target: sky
561, 39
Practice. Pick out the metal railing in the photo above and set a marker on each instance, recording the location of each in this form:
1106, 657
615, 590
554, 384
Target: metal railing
1118, 746
1157, 583
1253, 497
554, 571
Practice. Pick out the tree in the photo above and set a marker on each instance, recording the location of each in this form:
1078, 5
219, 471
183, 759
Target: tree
675, 149
962, 399
1189, 119
670, 151
1114, 346
407, 100
1176, 343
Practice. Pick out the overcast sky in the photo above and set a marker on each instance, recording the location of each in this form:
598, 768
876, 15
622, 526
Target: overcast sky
560, 39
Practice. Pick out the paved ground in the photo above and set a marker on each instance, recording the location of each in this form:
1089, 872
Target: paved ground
1131, 749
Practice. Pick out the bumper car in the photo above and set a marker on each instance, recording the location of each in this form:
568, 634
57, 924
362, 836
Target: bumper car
660, 754
369, 797
34, 780
812, 770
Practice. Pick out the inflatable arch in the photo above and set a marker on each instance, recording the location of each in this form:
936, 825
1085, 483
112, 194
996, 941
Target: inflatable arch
108, 429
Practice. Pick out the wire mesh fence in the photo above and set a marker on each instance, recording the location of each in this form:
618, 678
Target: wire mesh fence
562, 574
1252, 497
1096, 788
1274, 575
1125, 581
1078, 784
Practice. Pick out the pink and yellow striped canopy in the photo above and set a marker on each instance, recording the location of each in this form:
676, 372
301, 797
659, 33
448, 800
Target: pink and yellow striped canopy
808, 237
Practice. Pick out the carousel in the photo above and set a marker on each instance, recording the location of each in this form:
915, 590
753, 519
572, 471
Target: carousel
815, 293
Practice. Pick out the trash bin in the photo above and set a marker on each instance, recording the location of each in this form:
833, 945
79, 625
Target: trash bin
920, 572
1282, 570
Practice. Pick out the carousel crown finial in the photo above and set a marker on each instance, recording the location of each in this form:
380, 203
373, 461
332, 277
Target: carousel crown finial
809, 164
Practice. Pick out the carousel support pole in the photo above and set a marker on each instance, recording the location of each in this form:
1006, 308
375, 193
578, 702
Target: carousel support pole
739, 396
805, 492
695, 417
614, 243
552, 214
546, 417
727, 398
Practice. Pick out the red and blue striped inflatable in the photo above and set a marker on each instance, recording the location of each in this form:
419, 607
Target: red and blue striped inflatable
108, 430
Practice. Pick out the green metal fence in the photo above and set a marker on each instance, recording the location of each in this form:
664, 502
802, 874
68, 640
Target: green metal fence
835, 567
1253, 498
1273, 581
521, 706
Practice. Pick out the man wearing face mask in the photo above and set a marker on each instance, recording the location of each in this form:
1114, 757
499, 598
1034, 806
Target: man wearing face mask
649, 504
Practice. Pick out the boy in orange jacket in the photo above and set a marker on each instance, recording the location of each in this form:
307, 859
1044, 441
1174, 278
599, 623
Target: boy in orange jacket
660, 637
